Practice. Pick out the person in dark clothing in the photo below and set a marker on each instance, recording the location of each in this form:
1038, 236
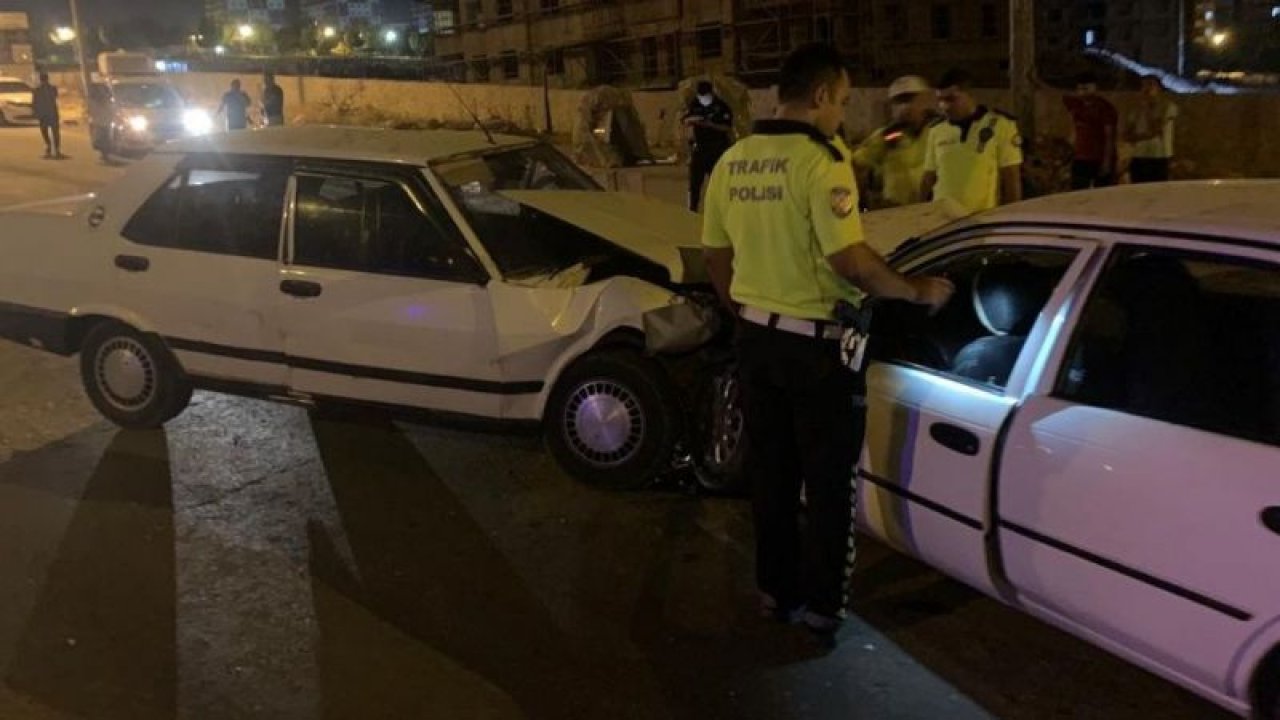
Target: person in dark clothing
1095, 121
711, 120
235, 103
44, 102
272, 100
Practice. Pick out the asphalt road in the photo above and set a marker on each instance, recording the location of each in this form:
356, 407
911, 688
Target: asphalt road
254, 561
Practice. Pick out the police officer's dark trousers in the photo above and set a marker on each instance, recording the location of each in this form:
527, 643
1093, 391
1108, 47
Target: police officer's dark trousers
701, 162
805, 422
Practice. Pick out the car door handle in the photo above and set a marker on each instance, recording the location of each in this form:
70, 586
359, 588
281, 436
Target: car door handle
132, 263
1271, 519
955, 438
301, 288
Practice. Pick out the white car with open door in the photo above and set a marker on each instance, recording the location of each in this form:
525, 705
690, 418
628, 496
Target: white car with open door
1090, 430
443, 272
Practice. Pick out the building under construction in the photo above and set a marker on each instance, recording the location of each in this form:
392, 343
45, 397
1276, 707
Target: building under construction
655, 43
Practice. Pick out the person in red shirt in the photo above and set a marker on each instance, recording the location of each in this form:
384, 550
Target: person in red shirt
1095, 120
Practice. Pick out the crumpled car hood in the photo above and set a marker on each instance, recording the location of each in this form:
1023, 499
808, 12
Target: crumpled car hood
658, 231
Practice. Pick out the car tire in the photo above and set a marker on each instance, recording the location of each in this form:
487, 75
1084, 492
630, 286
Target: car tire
613, 420
720, 441
131, 377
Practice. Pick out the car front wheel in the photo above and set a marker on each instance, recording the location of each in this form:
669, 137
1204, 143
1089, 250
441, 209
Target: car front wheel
613, 419
131, 377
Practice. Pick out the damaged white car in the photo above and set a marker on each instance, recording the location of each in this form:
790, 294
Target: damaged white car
436, 271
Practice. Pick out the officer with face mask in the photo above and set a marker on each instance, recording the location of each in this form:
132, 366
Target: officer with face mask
711, 121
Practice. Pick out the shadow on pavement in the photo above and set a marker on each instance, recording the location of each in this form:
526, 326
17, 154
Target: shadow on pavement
429, 569
101, 641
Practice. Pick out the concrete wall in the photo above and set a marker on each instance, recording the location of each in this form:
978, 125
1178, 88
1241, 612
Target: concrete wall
1217, 136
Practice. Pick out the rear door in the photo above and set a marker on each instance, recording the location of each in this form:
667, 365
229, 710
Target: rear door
942, 388
200, 261
1139, 496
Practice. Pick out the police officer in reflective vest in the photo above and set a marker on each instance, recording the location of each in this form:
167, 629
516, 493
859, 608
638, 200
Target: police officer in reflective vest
893, 156
974, 158
783, 242
711, 120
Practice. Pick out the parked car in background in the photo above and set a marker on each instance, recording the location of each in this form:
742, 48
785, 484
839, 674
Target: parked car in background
15, 102
440, 272
1090, 430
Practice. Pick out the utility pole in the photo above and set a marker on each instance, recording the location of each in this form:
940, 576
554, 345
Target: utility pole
79, 45
1022, 64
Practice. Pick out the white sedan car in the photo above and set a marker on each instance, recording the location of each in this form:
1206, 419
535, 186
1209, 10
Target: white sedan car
468, 277
1090, 431
15, 102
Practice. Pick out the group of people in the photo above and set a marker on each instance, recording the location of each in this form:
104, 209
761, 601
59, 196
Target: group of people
101, 111
236, 103
784, 247
943, 144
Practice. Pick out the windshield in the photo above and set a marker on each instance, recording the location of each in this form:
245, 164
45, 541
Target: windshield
513, 234
151, 97
14, 88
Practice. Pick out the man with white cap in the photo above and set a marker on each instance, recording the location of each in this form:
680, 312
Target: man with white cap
890, 162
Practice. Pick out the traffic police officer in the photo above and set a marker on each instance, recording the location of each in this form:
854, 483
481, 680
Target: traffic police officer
975, 157
894, 154
711, 120
783, 242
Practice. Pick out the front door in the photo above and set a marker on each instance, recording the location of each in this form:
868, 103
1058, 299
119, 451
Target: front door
1139, 499
942, 389
383, 301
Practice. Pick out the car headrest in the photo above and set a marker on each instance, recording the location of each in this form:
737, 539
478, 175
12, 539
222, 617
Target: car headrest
1007, 296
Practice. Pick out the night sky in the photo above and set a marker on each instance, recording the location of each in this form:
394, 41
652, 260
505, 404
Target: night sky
45, 13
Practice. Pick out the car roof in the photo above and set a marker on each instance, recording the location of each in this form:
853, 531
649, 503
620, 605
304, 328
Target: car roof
414, 147
1243, 209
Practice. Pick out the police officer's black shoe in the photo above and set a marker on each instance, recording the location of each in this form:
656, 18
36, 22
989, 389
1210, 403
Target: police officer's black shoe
823, 628
770, 610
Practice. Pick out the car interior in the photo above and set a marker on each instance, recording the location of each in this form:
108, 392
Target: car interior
979, 335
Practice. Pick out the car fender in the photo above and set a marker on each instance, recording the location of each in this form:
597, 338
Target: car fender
114, 312
542, 330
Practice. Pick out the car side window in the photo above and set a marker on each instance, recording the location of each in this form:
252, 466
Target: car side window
1186, 338
215, 210
979, 335
374, 226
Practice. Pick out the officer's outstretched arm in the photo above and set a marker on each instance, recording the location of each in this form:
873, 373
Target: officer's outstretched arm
864, 267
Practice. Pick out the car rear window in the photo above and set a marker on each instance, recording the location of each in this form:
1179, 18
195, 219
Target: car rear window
224, 210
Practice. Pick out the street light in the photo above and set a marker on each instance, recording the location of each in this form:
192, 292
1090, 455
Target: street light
245, 31
220, 50
330, 32
64, 35
391, 37
1219, 39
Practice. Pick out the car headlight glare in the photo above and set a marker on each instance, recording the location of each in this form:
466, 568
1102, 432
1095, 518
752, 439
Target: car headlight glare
138, 123
197, 122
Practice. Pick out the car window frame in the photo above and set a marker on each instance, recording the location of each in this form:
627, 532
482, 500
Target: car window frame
420, 193
1047, 333
1211, 248
217, 163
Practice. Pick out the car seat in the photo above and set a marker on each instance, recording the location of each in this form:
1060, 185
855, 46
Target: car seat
1007, 297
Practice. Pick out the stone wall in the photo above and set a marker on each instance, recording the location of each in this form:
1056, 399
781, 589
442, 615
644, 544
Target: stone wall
1217, 136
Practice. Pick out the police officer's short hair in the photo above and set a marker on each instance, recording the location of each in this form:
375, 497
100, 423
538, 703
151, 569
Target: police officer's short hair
1088, 77
806, 69
705, 88
956, 78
